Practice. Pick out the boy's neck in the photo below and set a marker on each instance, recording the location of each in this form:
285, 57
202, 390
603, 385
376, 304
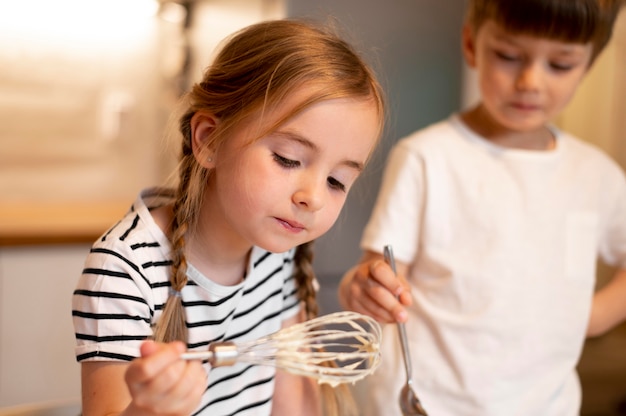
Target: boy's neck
478, 120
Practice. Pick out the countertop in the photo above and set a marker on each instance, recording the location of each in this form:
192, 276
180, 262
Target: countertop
24, 223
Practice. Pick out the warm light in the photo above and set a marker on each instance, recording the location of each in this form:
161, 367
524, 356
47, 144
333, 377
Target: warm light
78, 21
173, 12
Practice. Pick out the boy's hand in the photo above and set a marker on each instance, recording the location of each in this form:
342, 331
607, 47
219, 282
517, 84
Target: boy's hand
373, 289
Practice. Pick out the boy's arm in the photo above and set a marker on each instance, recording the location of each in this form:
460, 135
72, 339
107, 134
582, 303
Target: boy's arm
609, 306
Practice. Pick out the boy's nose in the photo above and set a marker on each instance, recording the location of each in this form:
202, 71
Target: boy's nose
529, 77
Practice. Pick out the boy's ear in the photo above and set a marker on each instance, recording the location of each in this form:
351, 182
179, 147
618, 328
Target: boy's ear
468, 45
203, 125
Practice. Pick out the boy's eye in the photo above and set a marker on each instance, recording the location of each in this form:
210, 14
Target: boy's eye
283, 161
506, 56
335, 184
560, 67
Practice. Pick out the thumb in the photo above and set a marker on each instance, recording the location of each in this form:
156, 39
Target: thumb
148, 348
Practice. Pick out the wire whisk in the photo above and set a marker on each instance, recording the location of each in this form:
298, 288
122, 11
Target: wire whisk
336, 348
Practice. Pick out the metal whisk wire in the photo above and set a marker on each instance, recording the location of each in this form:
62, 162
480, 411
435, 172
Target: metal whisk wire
335, 348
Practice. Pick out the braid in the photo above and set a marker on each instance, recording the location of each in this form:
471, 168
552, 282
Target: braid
171, 326
305, 278
336, 400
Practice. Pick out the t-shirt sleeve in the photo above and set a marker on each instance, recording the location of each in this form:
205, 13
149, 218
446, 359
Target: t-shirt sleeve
111, 308
396, 215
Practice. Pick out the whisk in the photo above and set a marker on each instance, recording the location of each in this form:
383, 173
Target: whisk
336, 348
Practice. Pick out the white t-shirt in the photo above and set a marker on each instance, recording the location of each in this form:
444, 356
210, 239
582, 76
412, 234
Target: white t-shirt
124, 287
503, 245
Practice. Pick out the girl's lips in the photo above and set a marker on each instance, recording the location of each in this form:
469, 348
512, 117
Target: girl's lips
291, 225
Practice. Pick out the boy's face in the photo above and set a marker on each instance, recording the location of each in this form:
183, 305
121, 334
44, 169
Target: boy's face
525, 81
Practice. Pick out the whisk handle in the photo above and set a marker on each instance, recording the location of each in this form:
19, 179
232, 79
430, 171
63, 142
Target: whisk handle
219, 354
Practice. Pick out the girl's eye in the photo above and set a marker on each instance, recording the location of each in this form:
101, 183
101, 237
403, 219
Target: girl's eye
284, 162
335, 184
290, 164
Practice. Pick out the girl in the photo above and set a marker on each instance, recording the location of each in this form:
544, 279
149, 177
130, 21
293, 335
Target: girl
276, 133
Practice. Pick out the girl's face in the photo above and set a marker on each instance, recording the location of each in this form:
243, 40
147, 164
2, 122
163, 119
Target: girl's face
288, 187
524, 81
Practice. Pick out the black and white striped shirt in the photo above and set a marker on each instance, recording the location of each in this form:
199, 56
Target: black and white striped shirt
125, 284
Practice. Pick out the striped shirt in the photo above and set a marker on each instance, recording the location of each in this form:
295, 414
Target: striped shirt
125, 284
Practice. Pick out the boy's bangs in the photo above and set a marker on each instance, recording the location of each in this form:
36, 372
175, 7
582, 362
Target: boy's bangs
565, 20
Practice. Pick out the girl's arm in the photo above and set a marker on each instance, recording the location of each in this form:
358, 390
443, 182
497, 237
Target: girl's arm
158, 383
295, 395
609, 306
103, 389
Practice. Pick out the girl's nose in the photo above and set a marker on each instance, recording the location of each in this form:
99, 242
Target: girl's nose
310, 195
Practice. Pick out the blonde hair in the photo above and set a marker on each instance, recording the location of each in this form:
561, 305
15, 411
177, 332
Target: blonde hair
253, 73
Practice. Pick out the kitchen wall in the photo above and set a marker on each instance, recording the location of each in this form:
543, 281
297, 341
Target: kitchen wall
415, 48
596, 113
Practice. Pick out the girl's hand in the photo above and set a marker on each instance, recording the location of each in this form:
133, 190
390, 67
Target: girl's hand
160, 383
373, 289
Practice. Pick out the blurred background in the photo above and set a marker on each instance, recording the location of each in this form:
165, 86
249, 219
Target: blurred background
86, 91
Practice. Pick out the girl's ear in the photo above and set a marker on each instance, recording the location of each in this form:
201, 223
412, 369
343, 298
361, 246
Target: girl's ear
203, 126
468, 45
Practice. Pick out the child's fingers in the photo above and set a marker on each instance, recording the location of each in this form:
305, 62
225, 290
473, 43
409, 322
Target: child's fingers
399, 294
161, 380
382, 273
366, 295
148, 348
181, 397
155, 360
187, 393
365, 301
386, 301
373, 309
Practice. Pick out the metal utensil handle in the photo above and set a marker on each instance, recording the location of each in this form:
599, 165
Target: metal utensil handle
388, 253
219, 354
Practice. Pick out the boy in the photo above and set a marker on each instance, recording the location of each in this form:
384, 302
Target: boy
496, 219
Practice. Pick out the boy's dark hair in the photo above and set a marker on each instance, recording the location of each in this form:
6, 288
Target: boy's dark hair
579, 21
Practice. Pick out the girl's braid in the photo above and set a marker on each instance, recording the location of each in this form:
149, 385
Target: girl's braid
338, 400
171, 326
305, 278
